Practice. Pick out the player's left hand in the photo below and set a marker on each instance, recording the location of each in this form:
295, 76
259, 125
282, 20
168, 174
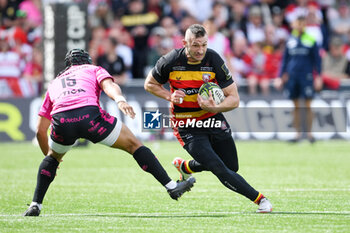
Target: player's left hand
207, 104
126, 109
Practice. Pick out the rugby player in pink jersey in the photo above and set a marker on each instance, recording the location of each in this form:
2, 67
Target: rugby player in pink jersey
71, 107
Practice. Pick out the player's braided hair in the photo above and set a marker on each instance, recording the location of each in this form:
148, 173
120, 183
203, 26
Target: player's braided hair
77, 57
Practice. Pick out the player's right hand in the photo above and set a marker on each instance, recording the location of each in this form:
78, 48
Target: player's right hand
177, 97
126, 109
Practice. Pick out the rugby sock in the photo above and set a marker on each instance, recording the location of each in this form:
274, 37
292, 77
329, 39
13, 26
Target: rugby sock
258, 199
149, 163
191, 166
46, 174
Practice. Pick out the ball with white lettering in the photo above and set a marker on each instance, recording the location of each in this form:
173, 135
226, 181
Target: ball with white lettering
217, 93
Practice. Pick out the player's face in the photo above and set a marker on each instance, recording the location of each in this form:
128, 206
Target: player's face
196, 48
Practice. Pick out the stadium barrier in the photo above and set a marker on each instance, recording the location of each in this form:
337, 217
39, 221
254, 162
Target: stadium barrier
257, 118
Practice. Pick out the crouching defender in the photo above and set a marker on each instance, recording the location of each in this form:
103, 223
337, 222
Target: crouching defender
71, 106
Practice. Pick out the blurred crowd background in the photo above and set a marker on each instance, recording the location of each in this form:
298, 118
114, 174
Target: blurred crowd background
128, 36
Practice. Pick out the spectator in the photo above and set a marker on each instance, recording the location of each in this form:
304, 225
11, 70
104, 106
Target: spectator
255, 28
125, 43
257, 76
8, 11
32, 9
187, 21
157, 34
165, 45
218, 41
11, 66
240, 60
282, 32
220, 14
172, 31
237, 20
175, 11
139, 22
340, 23
98, 35
335, 66
113, 63
33, 73
200, 11
301, 8
100, 14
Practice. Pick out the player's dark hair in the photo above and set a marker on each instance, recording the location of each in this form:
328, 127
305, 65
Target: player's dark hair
77, 57
197, 30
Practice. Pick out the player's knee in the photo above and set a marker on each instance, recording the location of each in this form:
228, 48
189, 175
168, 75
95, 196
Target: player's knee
217, 169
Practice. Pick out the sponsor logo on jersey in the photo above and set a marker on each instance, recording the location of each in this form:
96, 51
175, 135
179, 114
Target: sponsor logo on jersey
206, 77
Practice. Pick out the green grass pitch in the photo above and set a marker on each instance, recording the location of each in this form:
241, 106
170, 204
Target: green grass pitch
99, 189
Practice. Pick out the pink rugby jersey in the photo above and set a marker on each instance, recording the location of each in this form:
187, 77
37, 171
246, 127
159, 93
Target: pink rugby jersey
77, 87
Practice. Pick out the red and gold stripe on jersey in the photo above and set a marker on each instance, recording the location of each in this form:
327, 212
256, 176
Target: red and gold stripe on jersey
190, 81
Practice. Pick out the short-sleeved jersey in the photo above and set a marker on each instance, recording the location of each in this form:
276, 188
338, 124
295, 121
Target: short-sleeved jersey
188, 77
76, 87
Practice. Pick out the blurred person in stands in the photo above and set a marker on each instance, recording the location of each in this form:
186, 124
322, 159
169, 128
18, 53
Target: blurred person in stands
172, 31
220, 13
124, 46
301, 61
98, 36
33, 72
255, 31
8, 11
175, 11
240, 60
33, 20
218, 41
165, 45
335, 65
18, 37
256, 76
113, 63
100, 14
237, 18
139, 23
187, 21
11, 66
200, 11
301, 8
340, 20
281, 29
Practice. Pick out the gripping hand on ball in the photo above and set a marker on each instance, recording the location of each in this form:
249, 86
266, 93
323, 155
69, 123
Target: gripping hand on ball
207, 104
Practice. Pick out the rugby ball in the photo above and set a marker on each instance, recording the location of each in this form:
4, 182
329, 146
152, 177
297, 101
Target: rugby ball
217, 93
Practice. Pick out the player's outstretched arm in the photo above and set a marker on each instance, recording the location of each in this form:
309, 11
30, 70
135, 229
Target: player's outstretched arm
114, 92
41, 134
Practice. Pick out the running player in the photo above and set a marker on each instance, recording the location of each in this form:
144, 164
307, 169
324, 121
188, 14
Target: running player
213, 149
71, 106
